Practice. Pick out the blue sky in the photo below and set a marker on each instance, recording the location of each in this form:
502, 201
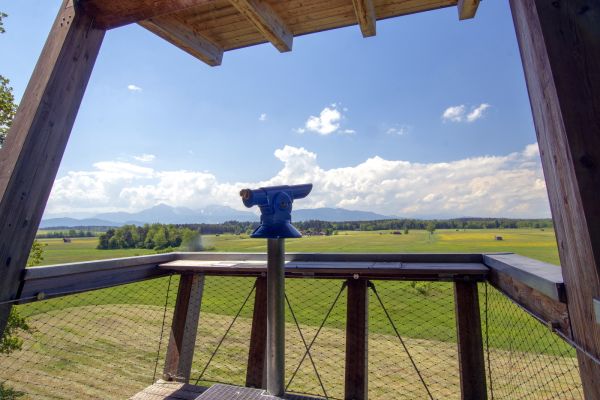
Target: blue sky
430, 117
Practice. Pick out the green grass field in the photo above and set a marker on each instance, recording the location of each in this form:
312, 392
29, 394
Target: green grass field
424, 315
532, 243
403, 299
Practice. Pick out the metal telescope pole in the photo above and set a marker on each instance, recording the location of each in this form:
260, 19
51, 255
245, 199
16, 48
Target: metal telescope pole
275, 317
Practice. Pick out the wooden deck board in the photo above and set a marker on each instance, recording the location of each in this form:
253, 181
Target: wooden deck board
163, 390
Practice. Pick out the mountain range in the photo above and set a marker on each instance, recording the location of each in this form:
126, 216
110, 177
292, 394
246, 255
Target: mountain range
209, 215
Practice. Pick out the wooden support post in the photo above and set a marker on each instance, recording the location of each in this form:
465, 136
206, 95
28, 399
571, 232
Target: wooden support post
37, 139
182, 341
470, 344
560, 50
357, 340
255, 374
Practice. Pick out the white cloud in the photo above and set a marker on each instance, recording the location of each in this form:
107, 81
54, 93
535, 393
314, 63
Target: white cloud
328, 122
398, 130
477, 112
145, 157
134, 88
454, 113
510, 185
459, 113
262, 117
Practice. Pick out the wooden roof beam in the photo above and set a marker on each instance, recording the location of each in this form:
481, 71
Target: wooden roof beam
266, 20
110, 14
188, 40
365, 14
467, 9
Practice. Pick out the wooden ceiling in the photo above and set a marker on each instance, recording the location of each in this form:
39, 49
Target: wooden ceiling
207, 28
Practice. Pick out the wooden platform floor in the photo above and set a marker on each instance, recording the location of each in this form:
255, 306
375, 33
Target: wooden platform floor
164, 390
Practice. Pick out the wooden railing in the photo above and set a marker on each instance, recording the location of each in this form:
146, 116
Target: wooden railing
535, 286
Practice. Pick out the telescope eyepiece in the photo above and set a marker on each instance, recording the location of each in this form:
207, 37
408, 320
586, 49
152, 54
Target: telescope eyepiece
246, 194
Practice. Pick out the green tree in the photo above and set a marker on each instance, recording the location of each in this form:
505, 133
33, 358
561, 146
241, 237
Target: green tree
8, 108
430, 227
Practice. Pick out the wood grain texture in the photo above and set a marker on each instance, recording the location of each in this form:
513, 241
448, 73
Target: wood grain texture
266, 20
357, 340
256, 371
342, 269
37, 139
110, 14
467, 9
552, 311
187, 39
182, 340
164, 390
560, 49
470, 344
365, 15
543, 277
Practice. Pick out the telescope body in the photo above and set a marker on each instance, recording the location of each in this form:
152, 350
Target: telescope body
275, 205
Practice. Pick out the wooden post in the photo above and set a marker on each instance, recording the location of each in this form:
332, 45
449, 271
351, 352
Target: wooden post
35, 144
560, 50
357, 340
470, 344
255, 373
182, 341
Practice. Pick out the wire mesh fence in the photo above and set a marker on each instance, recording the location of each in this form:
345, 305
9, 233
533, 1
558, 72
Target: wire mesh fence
111, 343
525, 359
101, 344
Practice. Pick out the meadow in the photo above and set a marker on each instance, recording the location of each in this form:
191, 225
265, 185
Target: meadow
534, 243
121, 326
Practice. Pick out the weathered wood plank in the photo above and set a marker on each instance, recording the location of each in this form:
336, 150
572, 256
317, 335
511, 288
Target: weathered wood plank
547, 309
256, 371
37, 139
543, 277
181, 35
470, 344
467, 9
365, 14
266, 20
182, 340
373, 270
560, 49
357, 340
340, 257
110, 14
163, 390
59, 280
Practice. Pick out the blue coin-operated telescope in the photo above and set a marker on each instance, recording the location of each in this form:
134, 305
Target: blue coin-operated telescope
275, 205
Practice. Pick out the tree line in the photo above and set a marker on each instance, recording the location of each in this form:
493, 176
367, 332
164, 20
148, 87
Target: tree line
71, 233
161, 236
154, 236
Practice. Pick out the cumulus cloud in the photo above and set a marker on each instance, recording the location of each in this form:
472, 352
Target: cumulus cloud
145, 157
134, 88
262, 117
459, 113
511, 185
327, 122
454, 113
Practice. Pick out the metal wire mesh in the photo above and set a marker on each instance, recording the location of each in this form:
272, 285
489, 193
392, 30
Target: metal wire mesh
101, 344
525, 359
107, 343
423, 314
